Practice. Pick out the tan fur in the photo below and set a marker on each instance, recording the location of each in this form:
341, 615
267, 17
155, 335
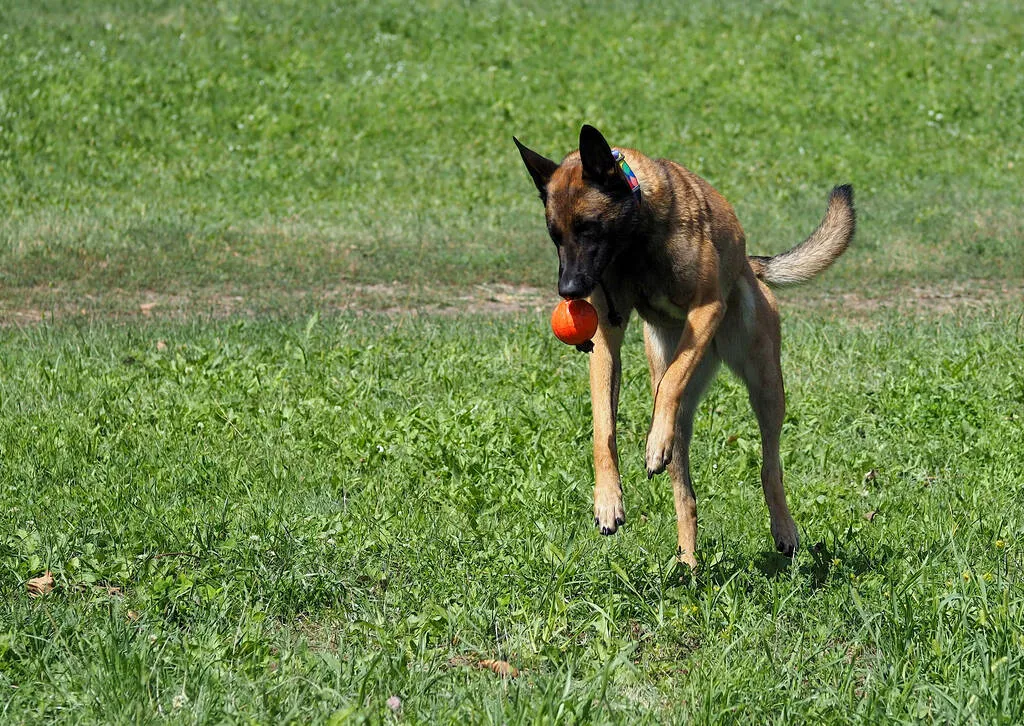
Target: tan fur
703, 301
818, 251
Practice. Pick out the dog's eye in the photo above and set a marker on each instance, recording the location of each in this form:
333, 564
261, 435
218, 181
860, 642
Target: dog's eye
586, 228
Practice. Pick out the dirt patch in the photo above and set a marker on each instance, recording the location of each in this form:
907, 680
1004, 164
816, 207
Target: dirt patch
395, 298
32, 306
932, 299
19, 307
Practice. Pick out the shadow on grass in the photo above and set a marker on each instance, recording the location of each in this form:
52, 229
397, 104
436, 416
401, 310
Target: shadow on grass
814, 564
823, 558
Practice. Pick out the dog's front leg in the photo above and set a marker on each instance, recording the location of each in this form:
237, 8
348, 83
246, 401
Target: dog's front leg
605, 374
701, 323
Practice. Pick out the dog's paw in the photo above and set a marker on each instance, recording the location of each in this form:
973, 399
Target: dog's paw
687, 558
609, 514
786, 538
659, 449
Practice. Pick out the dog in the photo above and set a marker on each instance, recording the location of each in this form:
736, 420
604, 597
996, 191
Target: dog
643, 234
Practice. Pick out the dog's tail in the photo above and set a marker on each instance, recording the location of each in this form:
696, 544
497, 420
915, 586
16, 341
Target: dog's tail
818, 251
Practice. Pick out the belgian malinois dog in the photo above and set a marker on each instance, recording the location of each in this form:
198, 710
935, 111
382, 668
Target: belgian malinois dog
635, 233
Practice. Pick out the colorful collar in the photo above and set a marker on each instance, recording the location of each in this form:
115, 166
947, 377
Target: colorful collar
634, 183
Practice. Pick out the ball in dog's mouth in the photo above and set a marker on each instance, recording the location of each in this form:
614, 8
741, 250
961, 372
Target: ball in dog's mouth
574, 321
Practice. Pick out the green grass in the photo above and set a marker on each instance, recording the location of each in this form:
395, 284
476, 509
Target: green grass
310, 517
259, 511
256, 147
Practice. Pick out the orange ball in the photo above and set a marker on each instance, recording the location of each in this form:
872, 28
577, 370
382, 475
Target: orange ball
574, 321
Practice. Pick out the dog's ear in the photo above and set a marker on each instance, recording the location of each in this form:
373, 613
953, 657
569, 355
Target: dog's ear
599, 166
541, 168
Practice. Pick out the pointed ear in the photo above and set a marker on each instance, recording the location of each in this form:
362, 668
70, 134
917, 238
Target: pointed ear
540, 168
599, 165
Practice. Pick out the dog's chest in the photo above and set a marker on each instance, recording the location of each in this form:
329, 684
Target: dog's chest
656, 307
663, 283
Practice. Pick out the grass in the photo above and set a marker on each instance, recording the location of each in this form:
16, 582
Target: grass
257, 147
306, 518
256, 509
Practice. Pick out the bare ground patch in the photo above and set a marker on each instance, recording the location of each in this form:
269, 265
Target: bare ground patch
952, 297
19, 307
52, 304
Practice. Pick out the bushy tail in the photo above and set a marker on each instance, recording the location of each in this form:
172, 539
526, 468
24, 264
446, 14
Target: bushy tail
816, 252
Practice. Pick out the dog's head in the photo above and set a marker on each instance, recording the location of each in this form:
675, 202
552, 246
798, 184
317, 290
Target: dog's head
592, 213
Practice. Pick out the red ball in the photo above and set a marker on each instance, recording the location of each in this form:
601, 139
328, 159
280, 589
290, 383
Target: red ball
574, 321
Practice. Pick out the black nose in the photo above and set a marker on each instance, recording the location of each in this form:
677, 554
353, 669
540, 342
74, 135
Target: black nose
573, 288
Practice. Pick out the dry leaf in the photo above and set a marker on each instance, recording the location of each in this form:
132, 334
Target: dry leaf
733, 439
870, 476
502, 668
132, 615
161, 345
40, 585
870, 516
147, 308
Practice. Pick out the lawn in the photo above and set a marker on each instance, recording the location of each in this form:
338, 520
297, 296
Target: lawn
248, 149
303, 519
281, 414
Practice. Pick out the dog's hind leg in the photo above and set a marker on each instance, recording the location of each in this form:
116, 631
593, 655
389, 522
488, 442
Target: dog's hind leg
749, 341
660, 345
